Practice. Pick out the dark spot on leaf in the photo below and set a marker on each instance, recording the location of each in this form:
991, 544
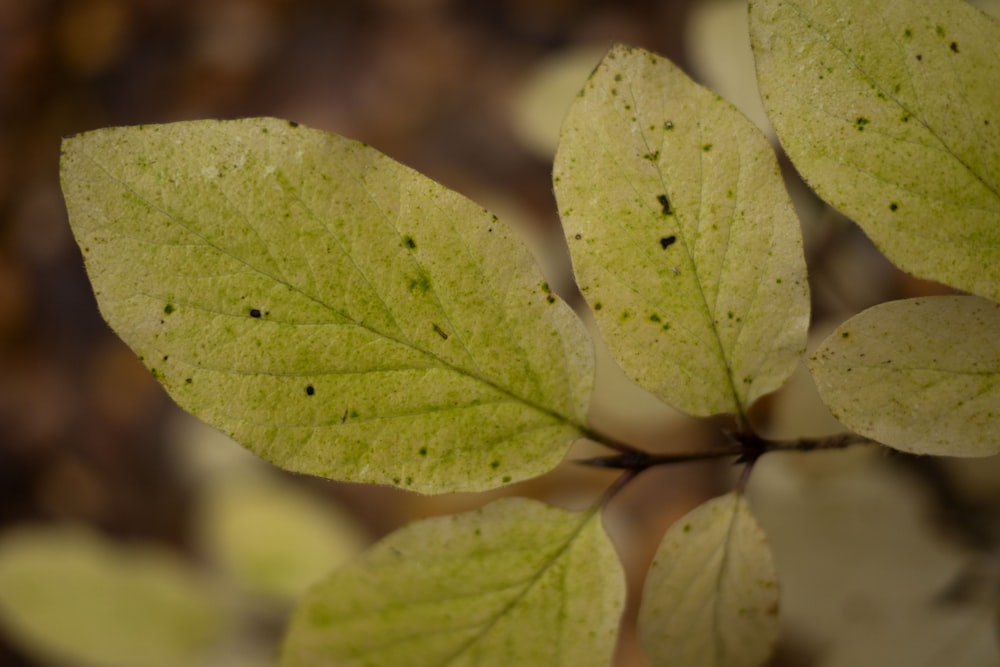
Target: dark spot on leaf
292, 123
310, 390
687, 528
578, 236
908, 33
419, 285
598, 305
664, 204
939, 30
188, 381
652, 157
954, 47
422, 451
667, 241
846, 334
255, 313
545, 287
618, 77
169, 308
505, 479
706, 147
625, 315
551, 299
494, 464
440, 332
409, 242
860, 122
920, 56
654, 318
893, 206
669, 125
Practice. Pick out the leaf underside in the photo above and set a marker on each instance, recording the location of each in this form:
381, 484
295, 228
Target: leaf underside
332, 310
514, 583
711, 597
920, 375
890, 111
683, 239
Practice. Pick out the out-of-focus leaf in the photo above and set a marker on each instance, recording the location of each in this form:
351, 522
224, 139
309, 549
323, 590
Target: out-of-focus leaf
514, 583
272, 538
919, 375
890, 111
332, 310
68, 595
683, 239
711, 597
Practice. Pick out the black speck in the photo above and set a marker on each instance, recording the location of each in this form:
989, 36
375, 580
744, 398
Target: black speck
188, 381
494, 464
954, 47
860, 122
310, 390
893, 206
846, 334
292, 123
169, 308
550, 299
598, 305
664, 205
409, 242
706, 147
920, 57
668, 241
652, 157
669, 125
578, 236
654, 318
440, 332
422, 451
254, 313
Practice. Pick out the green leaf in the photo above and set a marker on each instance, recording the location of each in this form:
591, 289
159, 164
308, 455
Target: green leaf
70, 596
890, 112
332, 310
272, 538
514, 583
711, 597
682, 236
919, 375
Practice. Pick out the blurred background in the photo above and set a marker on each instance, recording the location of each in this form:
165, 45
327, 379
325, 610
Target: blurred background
470, 93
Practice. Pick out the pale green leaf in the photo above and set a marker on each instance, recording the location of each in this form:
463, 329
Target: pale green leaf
711, 597
919, 375
682, 236
70, 596
891, 111
271, 537
334, 311
514, 583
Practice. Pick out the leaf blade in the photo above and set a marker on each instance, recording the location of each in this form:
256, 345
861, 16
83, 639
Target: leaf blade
514, 583
336, 312
711, 597
68, 594
889, 111
683, 239
919, 375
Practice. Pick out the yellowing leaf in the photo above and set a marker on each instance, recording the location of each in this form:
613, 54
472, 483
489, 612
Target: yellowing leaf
711, 598
332, 310
920, 375
271, 537
514, 583
890, 111
68, 595
682, 236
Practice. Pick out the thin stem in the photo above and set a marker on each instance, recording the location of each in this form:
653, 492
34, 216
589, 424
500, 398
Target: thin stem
747, 448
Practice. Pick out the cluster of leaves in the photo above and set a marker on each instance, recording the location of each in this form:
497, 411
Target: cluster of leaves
341, 315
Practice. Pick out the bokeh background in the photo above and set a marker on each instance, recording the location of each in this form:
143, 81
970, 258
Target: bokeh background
470, 93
